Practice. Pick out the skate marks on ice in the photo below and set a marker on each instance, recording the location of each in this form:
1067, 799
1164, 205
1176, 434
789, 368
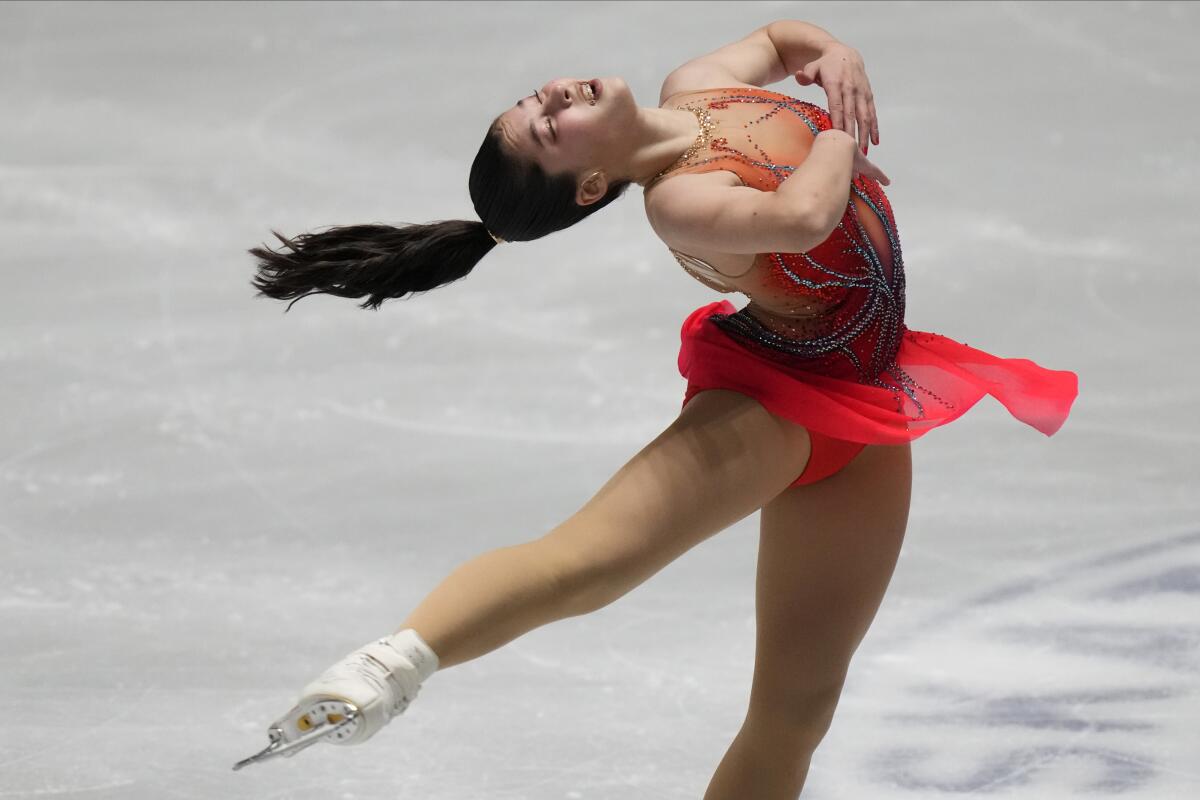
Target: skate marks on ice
1084, 678
1088, 767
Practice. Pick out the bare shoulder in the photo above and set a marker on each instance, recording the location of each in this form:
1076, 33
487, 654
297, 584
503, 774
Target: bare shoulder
697, 79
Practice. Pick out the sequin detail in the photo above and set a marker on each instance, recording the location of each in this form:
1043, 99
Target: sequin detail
705, 121
837, 309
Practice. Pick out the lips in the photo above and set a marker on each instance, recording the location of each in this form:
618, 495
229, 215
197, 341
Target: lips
597, 87
585, 91
589, 91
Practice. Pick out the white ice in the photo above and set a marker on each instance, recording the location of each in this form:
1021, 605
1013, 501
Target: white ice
205, 501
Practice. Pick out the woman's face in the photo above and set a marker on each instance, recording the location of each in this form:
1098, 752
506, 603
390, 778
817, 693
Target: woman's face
556, 127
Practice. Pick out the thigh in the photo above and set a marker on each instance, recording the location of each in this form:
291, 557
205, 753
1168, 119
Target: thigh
719, 461
826, 554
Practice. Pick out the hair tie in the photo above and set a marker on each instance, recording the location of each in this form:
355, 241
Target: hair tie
495, 238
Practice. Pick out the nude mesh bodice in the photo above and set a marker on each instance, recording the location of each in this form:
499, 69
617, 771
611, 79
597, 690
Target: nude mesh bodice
837, 308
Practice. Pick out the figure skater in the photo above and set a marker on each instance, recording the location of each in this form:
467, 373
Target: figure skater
801, 404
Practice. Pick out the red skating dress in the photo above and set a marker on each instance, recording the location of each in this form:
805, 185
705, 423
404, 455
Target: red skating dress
823, 341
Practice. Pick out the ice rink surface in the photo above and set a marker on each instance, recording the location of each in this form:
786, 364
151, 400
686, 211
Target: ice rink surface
205, 501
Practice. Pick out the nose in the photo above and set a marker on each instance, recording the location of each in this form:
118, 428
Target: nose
558, 95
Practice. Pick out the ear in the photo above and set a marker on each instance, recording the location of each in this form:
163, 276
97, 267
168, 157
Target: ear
592, 188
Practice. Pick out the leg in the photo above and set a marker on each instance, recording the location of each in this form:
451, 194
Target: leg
826, 554
721, 460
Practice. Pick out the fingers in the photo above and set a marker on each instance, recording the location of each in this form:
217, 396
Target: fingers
871, 118
851, 101
863, 167
878, 174
865, 121
835, 109
849, 109
866, 114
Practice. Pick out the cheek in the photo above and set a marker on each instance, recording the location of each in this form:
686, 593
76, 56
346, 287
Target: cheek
588, 134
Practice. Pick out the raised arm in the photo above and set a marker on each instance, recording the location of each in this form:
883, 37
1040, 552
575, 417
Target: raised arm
766, 56
789, 47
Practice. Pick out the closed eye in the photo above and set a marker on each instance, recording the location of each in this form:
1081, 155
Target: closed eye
549, 122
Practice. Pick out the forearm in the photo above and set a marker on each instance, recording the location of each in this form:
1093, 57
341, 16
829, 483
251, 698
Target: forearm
798, 42
821, 184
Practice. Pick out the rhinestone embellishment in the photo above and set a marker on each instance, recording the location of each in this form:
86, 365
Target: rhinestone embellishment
852, 285
705, 121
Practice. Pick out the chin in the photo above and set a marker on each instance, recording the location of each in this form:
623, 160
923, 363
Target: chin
616, 98
615, 88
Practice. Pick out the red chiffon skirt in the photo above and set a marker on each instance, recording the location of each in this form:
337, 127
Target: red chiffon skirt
842, 416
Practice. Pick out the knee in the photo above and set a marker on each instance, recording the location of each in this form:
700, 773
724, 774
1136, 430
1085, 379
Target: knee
800, 716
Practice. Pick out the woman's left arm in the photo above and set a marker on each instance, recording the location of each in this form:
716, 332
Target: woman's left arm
790, 47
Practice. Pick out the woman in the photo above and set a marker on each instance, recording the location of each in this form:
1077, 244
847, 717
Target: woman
802, 404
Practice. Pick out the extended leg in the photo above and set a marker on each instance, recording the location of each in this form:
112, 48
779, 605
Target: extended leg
722, 459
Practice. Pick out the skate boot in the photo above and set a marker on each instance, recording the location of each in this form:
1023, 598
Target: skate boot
355, 698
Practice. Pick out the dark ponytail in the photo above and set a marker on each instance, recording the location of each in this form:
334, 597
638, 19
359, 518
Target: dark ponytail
516, 199
374, 261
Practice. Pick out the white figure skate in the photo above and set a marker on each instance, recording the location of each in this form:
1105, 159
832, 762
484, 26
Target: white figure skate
353, 699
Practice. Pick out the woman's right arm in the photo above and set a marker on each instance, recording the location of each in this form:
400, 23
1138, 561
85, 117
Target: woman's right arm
794, 218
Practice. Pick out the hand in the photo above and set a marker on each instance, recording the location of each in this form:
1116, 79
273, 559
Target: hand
841, 73
861, 165
864, 167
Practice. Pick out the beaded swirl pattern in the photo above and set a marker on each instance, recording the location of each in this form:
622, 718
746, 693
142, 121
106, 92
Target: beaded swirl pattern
854, 279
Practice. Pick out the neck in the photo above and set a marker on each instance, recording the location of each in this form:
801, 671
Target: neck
660, 136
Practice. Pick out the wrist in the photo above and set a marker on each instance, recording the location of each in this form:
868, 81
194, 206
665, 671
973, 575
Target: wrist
799, 42
824, 45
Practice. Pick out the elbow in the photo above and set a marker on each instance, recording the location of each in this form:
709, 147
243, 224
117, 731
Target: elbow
791, 222
812, 225
829, 220
825, 214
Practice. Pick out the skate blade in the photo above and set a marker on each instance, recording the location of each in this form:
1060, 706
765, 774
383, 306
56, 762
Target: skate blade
280, 746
